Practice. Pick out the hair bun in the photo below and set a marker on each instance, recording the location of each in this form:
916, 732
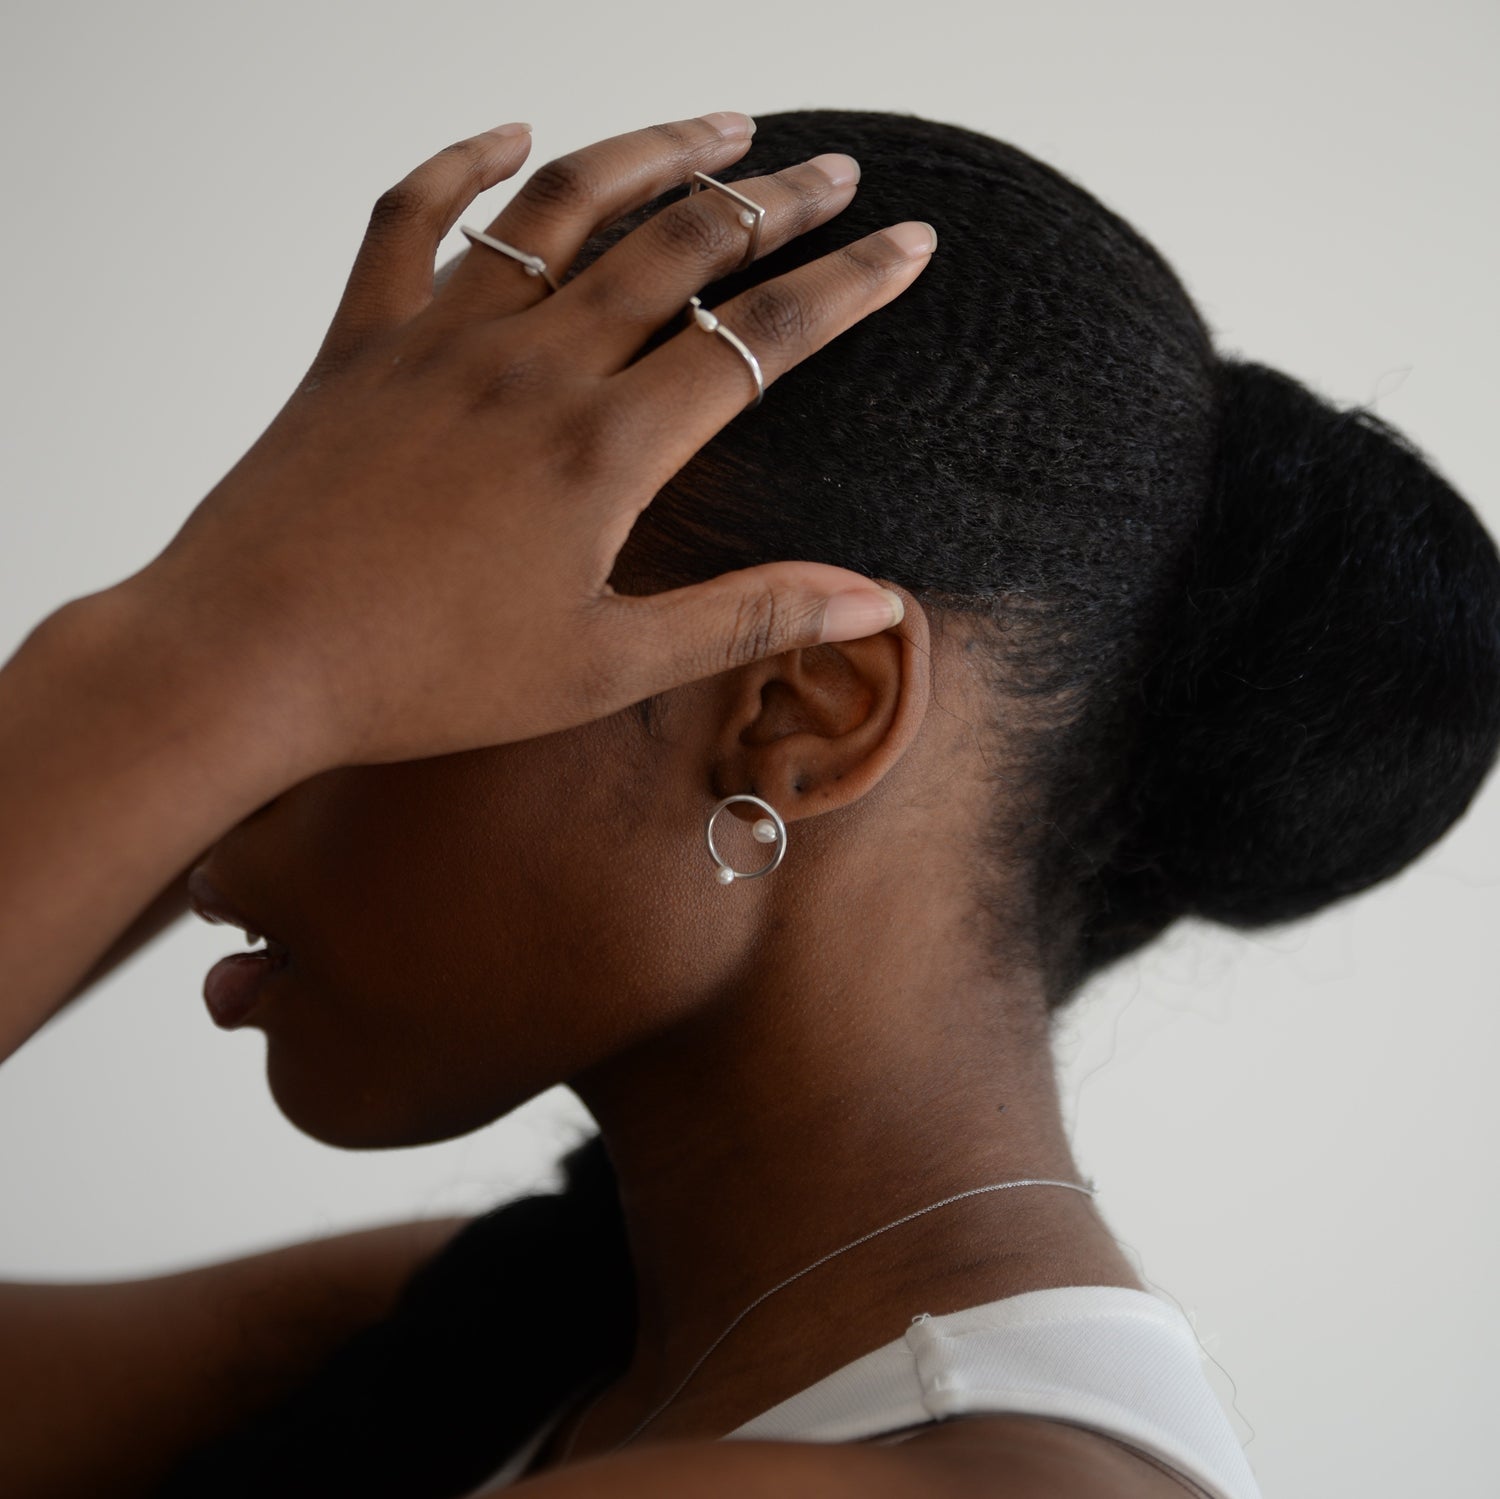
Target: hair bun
1328, 700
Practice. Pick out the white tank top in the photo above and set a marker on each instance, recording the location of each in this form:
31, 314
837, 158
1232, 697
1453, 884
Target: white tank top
1114, 1360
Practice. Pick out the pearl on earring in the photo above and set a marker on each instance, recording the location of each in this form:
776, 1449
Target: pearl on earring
768, 829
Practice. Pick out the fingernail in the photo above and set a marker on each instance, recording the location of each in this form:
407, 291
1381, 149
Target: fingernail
730, 122
516, 129
839, 169
848, 616
913, 237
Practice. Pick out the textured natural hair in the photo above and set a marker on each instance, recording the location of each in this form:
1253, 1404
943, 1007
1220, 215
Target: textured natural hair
1259, 636
1244, 649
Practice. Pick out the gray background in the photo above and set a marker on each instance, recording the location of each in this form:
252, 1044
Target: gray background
1292, 1130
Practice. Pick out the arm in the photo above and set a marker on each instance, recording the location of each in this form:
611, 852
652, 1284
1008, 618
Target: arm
128, 745
126, 748
401, 512
157, 916
103, 1386
973, 1457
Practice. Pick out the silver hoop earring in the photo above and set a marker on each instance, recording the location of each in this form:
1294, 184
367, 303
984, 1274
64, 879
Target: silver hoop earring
768, 829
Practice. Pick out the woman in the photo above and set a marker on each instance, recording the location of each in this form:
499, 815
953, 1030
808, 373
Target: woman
1173, 636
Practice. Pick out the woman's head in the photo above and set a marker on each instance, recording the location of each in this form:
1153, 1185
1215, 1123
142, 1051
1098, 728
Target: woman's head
1244, 647
1184, 640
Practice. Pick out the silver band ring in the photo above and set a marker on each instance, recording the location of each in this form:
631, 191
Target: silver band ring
710, 323
768, 829
750, 215
533, 265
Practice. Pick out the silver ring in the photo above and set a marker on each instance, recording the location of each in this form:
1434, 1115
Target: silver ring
533, 265
750, 214
764, 831
708, 321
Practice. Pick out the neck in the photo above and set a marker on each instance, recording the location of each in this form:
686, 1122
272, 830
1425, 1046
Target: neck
801, 1113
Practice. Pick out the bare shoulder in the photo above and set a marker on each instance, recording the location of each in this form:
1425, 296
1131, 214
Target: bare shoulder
977, 1457
1040, 1457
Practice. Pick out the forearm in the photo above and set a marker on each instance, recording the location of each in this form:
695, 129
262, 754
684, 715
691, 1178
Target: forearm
104, 1386
165, 908
128, 744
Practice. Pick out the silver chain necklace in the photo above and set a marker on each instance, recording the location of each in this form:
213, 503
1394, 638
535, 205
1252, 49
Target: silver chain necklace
1089, 1190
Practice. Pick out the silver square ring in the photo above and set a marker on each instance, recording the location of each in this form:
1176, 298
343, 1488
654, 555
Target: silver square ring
750, 215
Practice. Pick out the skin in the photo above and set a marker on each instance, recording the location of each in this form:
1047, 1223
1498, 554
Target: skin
469, 930
489, 892
203, 1348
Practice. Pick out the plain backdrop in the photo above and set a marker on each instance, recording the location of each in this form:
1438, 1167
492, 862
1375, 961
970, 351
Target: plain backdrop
1293, 1130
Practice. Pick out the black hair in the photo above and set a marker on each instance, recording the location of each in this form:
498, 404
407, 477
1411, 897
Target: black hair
1244, 646
527, 1303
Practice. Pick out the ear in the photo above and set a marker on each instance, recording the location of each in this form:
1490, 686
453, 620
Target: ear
817, 728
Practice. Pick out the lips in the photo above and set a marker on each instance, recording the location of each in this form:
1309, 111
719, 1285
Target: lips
210, 903
234, 984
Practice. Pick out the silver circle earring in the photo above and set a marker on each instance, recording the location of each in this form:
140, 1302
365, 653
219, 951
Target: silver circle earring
768, 829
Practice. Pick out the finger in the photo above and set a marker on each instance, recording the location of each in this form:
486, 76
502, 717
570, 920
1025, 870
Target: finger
679, 395
636, 285
392, 277
655, 642
568, 200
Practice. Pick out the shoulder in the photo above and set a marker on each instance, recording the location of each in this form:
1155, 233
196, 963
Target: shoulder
976, 1457
1038, 1457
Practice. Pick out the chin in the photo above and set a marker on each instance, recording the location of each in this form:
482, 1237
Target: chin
340, 1107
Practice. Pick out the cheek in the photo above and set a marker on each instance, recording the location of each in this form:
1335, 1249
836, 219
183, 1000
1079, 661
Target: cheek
478, 928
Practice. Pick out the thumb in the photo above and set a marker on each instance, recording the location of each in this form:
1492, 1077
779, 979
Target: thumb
684, 634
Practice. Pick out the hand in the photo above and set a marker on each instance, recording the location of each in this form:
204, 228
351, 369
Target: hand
426, 529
